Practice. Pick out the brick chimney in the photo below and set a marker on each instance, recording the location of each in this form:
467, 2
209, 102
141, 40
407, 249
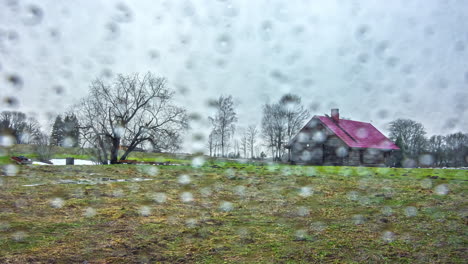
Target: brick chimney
335, 114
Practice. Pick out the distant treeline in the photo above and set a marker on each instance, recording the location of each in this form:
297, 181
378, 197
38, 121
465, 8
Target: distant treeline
418, 150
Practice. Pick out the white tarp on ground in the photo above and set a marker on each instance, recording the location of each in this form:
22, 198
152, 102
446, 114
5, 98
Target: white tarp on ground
63, 162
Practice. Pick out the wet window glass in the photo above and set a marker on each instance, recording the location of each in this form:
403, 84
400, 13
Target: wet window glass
233, 131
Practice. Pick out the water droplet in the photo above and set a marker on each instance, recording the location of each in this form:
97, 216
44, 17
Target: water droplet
426, 183
4, 226
57, 203
306, 191
118, 193
33, 15
409, 163
197, 162
205, 191
145, 211
362, 31
11, 101
363, 58
411, 211
319, 137
58, 89
20, 203
6, 140
68, 142
224, 44
191, 223
266, 30
353, 195
341, 152
19, 236
426, 160
240, 190
124, 13
186, 197
184, 179
113, 31
441, 189
392, 62
358, 219
15, 80
318, 226
382, 113
119, 131
301, 234
381, 48
150, 170
226, 206
10, 170
362, 133
159, 197
387, 211
388, 236
303, 211
89, 212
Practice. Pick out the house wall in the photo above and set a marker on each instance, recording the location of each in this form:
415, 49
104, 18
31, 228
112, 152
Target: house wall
305, 150
354, 158
308, 150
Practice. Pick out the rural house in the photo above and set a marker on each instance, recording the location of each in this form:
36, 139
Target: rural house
329, 140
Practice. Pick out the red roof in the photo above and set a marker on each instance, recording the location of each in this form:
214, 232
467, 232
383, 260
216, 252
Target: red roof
358, 134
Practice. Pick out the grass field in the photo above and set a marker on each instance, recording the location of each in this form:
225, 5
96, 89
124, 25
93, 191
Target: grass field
225, 212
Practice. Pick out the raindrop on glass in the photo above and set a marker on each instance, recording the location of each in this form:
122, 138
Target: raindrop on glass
89, 212
441, 189
388, 236
159, 197
224, 44
33, 15
145, 211
426, 183
226, 206
186, 197
10, 170
411, 211
184, 179
57, 203
306, 191
15, 80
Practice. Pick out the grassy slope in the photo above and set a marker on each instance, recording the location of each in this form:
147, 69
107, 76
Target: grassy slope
77, 153
342, 221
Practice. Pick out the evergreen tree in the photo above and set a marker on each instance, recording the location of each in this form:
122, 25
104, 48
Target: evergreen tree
56, 137
71, 133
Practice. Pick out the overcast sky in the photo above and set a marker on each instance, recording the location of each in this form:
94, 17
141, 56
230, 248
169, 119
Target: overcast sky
374, 60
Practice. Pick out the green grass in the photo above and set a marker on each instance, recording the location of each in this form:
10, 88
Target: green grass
77, 153
280, 214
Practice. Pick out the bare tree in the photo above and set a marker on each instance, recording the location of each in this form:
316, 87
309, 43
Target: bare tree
210, 144
252, 133
410, 134
131, 111
457, 149
295, 114
43, 148
244, 143
436, 147
224, 121
281, 121
273, 128
23, 129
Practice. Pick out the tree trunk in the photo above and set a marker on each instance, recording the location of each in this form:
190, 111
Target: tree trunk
115, 150
130, 149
